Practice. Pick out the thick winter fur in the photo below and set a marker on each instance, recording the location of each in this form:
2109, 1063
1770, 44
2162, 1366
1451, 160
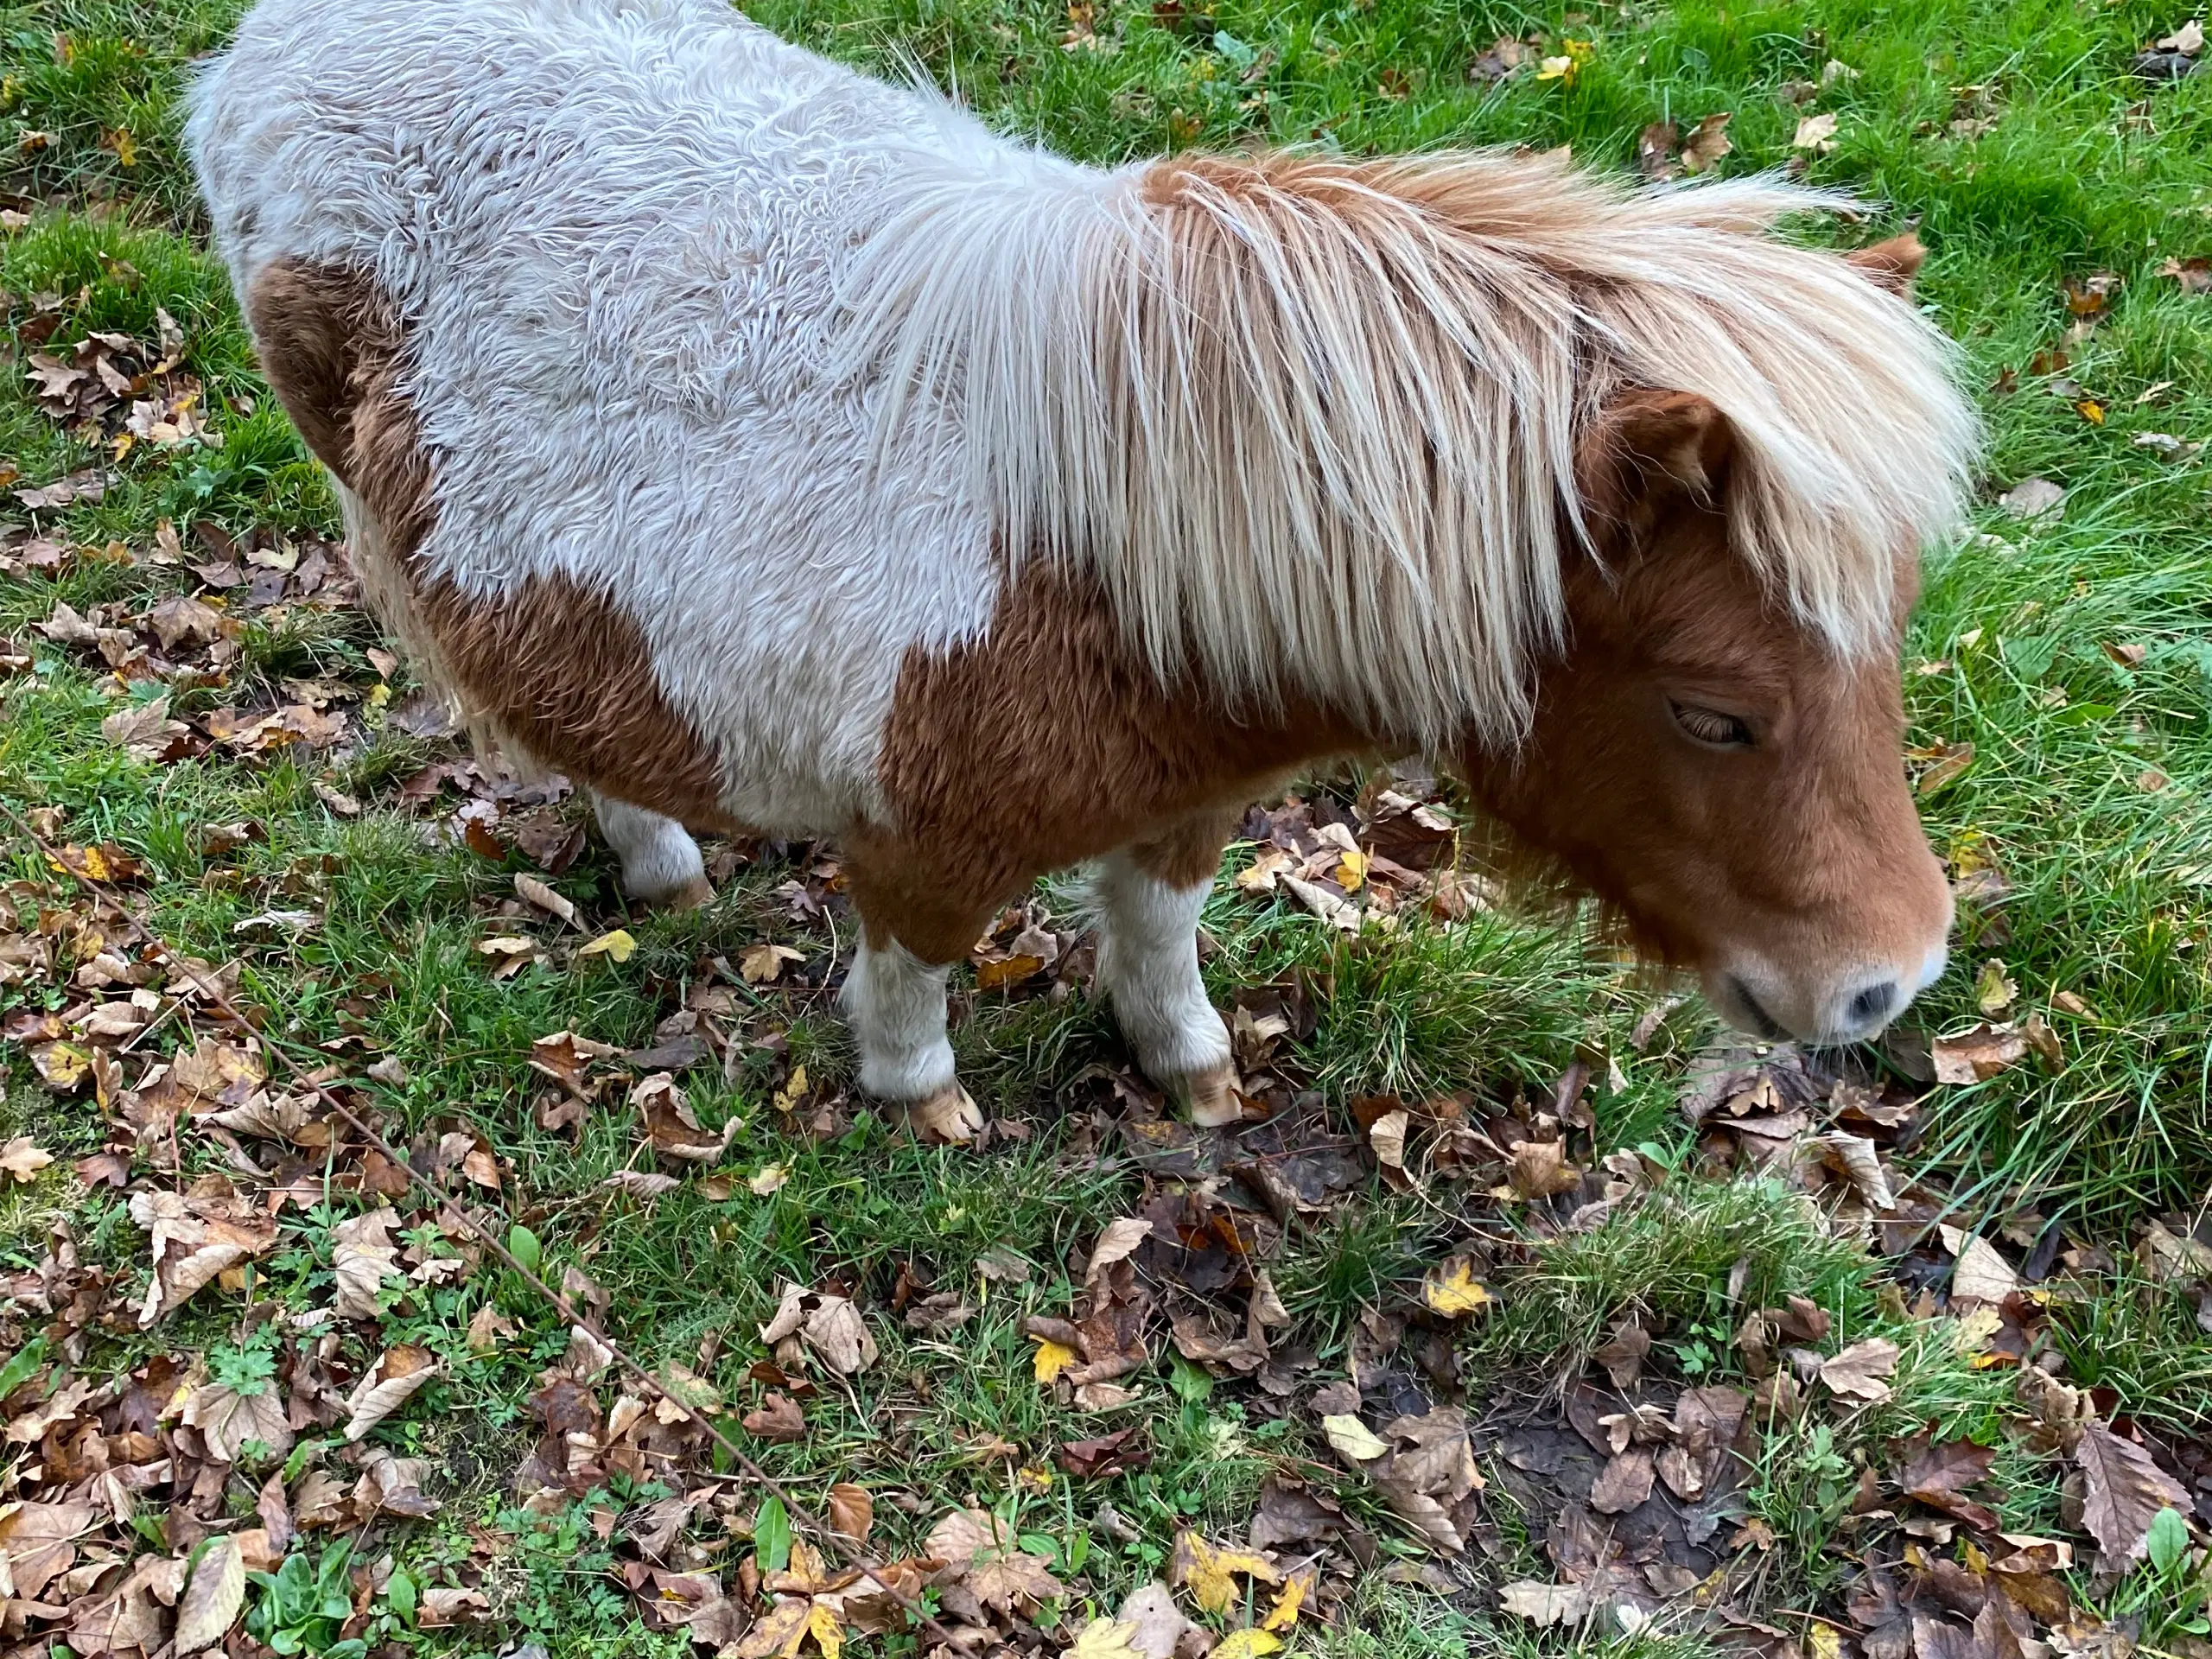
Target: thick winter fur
760, 443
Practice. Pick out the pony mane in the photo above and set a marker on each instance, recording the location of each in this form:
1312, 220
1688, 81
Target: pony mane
1312, 422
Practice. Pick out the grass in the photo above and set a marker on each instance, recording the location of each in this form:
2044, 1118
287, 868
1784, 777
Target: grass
2093, 768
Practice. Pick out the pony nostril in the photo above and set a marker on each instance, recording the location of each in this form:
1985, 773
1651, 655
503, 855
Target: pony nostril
1873, 1002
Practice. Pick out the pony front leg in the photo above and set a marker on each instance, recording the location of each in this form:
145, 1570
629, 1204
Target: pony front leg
660, 862
895, 1003
911, 932
1149, 899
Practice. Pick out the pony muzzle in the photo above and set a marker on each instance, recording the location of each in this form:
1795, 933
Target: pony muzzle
1852, 1006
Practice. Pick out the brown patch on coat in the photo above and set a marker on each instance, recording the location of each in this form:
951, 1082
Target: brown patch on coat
1047, 742
555, 668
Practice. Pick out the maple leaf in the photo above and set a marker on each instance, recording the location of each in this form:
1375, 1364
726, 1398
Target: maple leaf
22, 1160
1210, 1573
1453, 1290
1012, 1580
1104, 1638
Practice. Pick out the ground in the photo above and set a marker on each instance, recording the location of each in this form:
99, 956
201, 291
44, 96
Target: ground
1534, 1319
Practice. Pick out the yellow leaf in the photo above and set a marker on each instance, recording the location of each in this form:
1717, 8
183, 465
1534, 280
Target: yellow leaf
1824, 1642
617, 945
1555, 69
1210, 1573
1452, 1289
1052, 1358
822, 1625
1247, 1644
1353, 1437
788, 1097
1103, 1639
2091, 410
771, 1175
1284, 1613
1351, 870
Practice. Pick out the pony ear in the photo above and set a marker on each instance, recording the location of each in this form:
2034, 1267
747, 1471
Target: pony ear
1646, 445
1891, 265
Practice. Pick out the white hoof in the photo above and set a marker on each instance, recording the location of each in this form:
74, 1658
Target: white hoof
950, 1117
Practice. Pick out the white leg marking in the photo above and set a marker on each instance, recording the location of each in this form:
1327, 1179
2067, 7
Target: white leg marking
1148, 967
895, 1002
660, 862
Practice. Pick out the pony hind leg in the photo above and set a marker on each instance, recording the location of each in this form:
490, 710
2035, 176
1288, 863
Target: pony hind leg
661, 863
1148, 897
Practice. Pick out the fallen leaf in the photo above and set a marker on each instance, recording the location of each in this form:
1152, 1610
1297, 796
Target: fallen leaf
1210, 1573
1623, 1483
1156, 1624
22, 1160
1246, 1644
852, 1510
1547, 1604
1816, 133
2124, 1490
616, 944
762, 964
1980, 1274
2033, 498
364, 1256
213, 1599
1539, 1169
1452, 1289
1857, 1371
1707, 144
1353, 1439
1052, 1358
1978, 1055
539, 893
1105, 1639
388, 1385
777, 1419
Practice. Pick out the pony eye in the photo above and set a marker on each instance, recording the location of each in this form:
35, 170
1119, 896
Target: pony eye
1710, 726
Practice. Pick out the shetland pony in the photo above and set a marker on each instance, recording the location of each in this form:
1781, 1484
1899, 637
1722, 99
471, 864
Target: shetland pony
763, 444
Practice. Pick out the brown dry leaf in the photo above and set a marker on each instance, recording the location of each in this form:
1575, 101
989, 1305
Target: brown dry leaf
398, 1372
1816, 133
195, 1236
2124, 1492
227, 1420
146, 732
1622, 1355
1013, 1581
1624, 1483
1857, 1371
1120, 1240
852, 1510
212, 1601
1387, 1134
22, 1160
1860, 1161
1156, 1624
1939, 1475
1539, 1169
487, 1328
1707, 143
763, 965
1981, 1275
537, 892
670, 1127
1547, 1604
777, 1419
1978, 1055
364, 1256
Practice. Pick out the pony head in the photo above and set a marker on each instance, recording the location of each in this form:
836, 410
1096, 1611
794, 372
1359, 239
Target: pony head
1723, 779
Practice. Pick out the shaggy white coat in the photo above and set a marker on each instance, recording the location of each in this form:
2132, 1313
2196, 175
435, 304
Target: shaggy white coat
788, 362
